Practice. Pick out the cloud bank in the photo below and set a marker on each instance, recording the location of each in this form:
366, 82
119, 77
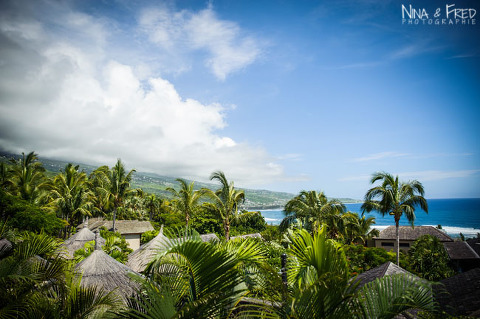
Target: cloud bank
64, 94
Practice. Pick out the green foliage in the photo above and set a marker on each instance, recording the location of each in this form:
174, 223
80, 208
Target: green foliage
248, 223
23, 215
148, 235
395, 198
363, 258
428, 259
115, 246
272, 233
37, 283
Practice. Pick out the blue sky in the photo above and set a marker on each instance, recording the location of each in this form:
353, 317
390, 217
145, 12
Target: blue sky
281, 95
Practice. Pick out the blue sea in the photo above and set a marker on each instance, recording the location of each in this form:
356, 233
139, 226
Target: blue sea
455, 215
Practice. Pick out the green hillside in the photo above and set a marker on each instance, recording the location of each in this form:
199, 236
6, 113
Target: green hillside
157, 184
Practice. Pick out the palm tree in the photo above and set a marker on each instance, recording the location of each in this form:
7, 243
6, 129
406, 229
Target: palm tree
186, 200
37, 283
225, 200
195, 279
315, 209
113, 186
69, 195
395, 198
320, 286
152, 204
27, 177
356, 229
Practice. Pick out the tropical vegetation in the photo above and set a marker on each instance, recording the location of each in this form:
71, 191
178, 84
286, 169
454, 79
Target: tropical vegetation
395, 198
324, 246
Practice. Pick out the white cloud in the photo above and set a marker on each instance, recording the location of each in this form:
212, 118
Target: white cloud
228, 49
72, 99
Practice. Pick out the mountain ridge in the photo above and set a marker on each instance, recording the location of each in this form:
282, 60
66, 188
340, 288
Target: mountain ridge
255, 199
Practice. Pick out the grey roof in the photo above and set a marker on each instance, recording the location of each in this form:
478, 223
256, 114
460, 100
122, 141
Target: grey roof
461, 294
460, 250
412, 234
386, 269
209, 237
78, 241
124, 227
139, 259
475, 244
103, 271
254, 235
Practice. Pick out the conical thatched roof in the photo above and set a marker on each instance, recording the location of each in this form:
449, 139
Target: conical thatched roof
139, 259
78, 241
103, 271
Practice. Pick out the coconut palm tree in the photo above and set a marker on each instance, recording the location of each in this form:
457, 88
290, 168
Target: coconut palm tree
152, 204
225, 200
27, 177
319, 286
195, 279
186, 200
37, 283
356, 229
395, 198
69, 196
315, 209
112, 186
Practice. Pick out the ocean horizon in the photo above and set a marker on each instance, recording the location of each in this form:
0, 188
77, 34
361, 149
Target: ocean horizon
455, 215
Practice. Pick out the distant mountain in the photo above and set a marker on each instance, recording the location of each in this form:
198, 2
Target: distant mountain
157, 184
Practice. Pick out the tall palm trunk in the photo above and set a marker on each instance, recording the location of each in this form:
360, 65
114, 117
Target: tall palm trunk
397, 237
114, 217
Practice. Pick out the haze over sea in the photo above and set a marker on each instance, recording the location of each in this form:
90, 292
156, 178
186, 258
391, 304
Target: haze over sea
455, 215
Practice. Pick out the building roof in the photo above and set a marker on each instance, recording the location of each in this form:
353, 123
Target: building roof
255, 235
460, 294
475, 244
140, 258
209, 237
124, 227
78, 241
103, 271
411, 234
386, 269
460, 250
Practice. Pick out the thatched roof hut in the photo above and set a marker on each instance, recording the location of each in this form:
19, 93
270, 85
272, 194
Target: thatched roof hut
132, 230
78, 241
209, 237
103, 271
254, 235
386, 269
139, 259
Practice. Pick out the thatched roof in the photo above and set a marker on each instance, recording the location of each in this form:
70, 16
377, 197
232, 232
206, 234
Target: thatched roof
408, 233
103, 271
209, 237
78, 241
139, 259
460, 250
462, 295
124, 227
386, 269
255, 235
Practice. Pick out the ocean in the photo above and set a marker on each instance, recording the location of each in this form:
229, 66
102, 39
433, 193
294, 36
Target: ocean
454, 215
